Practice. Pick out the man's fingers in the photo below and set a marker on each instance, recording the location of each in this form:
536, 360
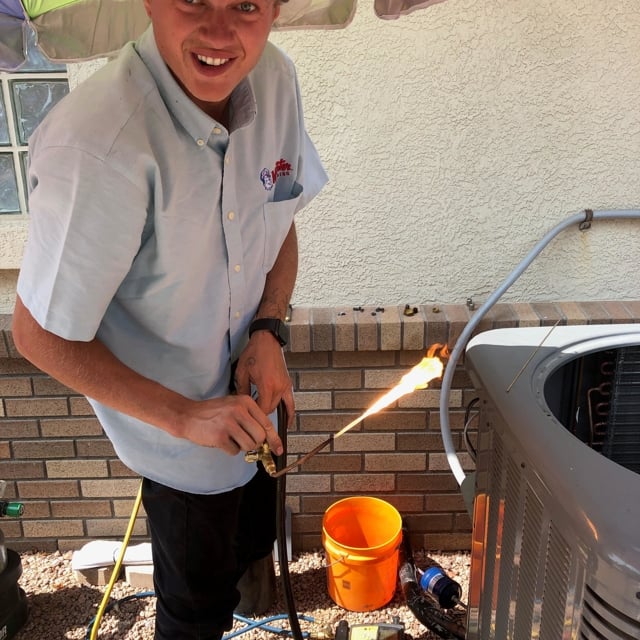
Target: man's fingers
249, 425
260, 428
273, 439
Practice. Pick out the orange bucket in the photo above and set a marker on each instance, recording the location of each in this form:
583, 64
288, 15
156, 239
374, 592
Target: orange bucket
361, 536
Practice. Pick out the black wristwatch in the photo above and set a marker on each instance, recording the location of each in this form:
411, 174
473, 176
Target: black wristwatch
276, 326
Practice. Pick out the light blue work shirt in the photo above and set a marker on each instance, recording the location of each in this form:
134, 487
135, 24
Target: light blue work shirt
153, 228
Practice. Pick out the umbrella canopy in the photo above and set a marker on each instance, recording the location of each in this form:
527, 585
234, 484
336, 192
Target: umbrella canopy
76, 30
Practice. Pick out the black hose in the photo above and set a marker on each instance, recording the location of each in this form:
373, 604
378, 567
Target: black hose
281, 527
426, 612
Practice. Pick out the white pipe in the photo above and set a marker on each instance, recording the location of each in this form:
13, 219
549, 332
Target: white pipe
583, 218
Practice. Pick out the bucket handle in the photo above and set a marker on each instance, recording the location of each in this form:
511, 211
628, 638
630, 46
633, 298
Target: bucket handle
361, 559
338, 561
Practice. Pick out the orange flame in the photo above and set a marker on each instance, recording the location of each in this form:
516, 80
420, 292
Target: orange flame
428, 369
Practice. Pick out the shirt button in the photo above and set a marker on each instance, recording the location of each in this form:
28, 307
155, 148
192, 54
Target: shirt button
237, 314
237, 268
231, 215
217, 130
227, 159
200, 142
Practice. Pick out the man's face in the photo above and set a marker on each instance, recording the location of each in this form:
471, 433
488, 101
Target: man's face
211, 45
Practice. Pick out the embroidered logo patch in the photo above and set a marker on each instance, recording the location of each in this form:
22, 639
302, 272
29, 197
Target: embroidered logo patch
269, 178
265, 178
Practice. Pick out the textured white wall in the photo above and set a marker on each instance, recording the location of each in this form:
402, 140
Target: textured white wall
455, 138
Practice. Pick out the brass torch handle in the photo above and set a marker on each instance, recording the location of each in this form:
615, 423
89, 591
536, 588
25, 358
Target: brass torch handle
262, 454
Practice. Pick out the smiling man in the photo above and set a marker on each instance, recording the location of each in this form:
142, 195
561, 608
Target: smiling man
161, 257
211, 47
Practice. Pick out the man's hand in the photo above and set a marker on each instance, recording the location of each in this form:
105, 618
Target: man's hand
232, 423
262, 364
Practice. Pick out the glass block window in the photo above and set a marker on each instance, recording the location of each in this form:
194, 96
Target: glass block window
26, 96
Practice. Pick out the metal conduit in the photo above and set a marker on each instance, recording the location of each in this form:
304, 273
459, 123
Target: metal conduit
583, 219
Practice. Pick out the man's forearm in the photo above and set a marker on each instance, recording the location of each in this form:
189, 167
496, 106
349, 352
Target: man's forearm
232, 423
281, 280
92, 370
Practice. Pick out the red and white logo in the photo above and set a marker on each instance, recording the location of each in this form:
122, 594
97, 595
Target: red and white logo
270, 177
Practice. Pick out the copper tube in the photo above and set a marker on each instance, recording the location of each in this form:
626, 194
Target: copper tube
302, 459
264, 455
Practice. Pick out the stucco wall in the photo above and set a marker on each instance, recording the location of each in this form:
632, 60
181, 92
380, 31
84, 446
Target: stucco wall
455, 138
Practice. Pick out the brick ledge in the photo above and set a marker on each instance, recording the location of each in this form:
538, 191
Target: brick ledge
392, 328
371, 328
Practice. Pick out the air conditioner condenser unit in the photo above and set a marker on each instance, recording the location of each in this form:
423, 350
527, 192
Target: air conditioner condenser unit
556, 517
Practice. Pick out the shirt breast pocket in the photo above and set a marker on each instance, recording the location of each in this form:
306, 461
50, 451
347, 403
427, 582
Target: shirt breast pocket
278, 218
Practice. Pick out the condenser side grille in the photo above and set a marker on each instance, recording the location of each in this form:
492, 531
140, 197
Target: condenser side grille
511, 528
527, 560
493, 534
555, 551
528, 573
557, 568
602, 621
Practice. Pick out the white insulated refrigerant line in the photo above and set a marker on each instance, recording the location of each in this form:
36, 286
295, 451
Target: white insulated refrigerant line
583, 219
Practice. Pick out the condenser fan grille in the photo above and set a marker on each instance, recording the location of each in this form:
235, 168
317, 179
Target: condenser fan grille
622, 440
597, 398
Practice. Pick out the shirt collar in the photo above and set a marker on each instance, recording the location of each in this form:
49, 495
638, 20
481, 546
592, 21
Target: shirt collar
198, 124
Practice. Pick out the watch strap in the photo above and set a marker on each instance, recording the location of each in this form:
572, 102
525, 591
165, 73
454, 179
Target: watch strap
274, 325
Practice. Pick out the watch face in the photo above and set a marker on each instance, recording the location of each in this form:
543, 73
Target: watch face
278, 329
283, 333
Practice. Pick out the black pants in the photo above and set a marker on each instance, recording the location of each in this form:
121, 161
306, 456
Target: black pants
201, 546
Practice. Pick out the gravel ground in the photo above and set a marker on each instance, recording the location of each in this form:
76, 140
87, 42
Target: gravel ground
61, 606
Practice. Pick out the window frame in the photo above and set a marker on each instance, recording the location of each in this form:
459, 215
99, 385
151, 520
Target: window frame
15, 147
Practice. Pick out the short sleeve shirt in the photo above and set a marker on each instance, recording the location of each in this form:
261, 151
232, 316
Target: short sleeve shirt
153, 228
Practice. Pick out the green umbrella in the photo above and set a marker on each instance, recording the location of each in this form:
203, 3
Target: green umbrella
76, 30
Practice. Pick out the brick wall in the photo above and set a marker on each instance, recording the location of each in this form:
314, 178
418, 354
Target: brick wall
57, 461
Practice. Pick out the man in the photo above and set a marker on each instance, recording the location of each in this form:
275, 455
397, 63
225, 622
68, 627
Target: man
162, 250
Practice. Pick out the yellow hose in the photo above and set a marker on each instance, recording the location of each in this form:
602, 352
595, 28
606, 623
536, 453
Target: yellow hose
116, 569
